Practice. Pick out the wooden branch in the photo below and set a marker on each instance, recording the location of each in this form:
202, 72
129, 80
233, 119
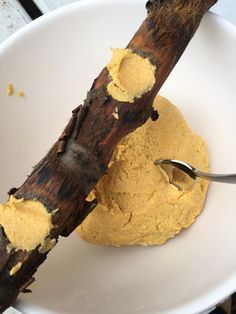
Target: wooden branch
73, 166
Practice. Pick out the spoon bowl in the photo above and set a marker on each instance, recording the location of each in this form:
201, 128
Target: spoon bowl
193, 173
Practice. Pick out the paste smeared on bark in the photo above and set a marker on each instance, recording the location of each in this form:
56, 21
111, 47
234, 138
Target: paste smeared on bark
132, 75
26, 223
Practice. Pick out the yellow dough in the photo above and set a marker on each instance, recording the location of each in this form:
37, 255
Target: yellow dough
137, 204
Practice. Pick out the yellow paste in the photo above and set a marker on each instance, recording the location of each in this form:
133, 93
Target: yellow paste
26, 223
132, 75
137, 203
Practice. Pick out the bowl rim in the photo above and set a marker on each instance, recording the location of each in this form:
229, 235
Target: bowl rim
220, 292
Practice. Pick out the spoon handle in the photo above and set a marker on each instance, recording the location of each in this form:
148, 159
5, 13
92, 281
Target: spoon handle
224, 178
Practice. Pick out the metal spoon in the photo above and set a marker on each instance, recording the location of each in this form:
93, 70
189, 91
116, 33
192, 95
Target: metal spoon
194, 173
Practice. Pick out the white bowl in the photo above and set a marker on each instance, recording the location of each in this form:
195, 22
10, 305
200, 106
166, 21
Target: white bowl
54, 60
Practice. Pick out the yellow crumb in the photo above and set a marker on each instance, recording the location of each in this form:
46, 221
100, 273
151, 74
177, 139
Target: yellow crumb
15, 269
10, 89
21, 93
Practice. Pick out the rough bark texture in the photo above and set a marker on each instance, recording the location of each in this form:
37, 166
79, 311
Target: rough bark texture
80, 157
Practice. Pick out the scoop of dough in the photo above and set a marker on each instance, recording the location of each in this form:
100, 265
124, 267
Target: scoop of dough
137, 203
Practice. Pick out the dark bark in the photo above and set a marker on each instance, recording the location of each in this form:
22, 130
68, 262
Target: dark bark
80, 157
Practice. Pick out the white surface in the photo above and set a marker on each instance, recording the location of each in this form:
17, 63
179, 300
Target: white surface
48, 5
12, 17
12, 311
191, 272
226, 9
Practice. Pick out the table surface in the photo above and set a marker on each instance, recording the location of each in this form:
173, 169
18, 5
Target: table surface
14, 14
